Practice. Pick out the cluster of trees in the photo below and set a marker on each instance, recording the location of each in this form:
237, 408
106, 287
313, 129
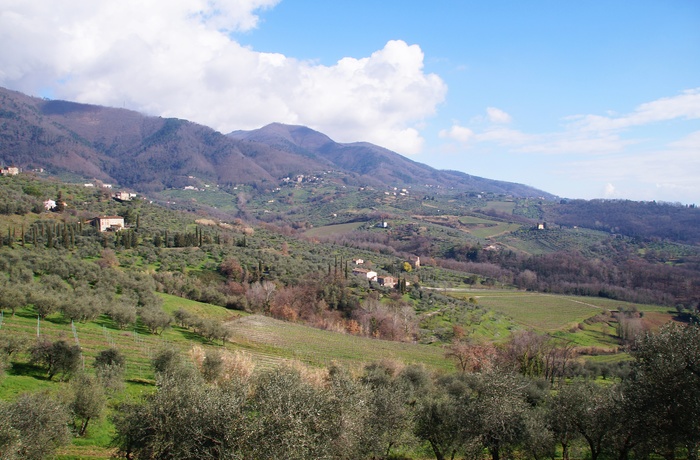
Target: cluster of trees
217, 408
643, 219
617, 273
79, 290
387, 409
34, 425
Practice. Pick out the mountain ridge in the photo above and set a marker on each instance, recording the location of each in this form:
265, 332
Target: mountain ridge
150, 153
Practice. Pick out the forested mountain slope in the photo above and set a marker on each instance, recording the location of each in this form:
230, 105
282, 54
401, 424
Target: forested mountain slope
152, 153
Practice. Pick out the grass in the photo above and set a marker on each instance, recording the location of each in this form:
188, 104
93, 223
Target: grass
172, 303
563, 316
490, 232
270, 341
505, 207
330, 230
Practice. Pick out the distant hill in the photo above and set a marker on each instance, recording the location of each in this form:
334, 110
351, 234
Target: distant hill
150, 154
371, 163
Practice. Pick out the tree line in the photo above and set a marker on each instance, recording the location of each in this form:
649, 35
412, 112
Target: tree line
214, 407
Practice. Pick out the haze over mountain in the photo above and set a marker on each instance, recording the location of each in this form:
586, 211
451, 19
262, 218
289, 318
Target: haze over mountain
153, 153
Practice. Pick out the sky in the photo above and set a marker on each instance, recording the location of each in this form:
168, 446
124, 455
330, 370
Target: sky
582, 99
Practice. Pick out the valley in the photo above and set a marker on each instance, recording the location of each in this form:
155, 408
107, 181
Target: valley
339, 270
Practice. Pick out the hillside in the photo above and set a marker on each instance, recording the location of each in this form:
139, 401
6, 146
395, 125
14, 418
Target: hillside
373, 164
151, 154
217, 312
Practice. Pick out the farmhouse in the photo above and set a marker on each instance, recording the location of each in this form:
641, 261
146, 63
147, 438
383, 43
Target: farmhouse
414, 261
108, 223
10, 171
388, 281
369, 274
124, 196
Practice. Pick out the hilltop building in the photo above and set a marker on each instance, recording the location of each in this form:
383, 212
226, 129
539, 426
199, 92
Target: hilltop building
369, 274
9, 171
108, 223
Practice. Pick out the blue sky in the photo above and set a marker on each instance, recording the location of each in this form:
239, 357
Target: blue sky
595, 99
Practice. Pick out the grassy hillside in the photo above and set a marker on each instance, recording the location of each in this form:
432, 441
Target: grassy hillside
267, 281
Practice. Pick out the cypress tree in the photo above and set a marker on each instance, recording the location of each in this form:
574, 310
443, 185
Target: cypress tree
49, 237
66, 237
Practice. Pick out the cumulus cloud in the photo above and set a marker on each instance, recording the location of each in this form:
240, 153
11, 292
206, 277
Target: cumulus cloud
176, 58
581, 134
457, 133
497, 116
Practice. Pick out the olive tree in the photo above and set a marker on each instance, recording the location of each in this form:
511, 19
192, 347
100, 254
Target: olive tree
59, 358
38, 425
88, 401
183, 419
293, 419
444, 417
664, 388
110, 366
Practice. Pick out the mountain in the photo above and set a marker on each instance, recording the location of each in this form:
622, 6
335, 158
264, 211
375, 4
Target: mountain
370, 162
150, 154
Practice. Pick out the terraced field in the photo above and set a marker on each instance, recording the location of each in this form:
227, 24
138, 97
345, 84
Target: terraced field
269, 341
330, 230
562, 315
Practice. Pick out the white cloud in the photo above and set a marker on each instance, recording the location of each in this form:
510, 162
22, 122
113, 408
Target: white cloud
175, 58
497, 116
667, 174
589, 134
682, 106
609, 190
458, 133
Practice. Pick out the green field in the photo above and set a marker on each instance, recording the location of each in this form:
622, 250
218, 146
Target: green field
269, 341
490, 232
506, 207
560, 315
330, 230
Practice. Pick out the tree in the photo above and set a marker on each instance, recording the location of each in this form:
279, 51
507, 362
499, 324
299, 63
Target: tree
82, 306
59, 358
88, 401
664, 388
444, 418
562, 419
10, 440
44, 303
472, 356
389, 416
212, 365
538, 438
40, 421
231, 269
110, 366
500, 408
294, 420
168, 361
155, 319
183, 419
591, 410
12, 298
123, 313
